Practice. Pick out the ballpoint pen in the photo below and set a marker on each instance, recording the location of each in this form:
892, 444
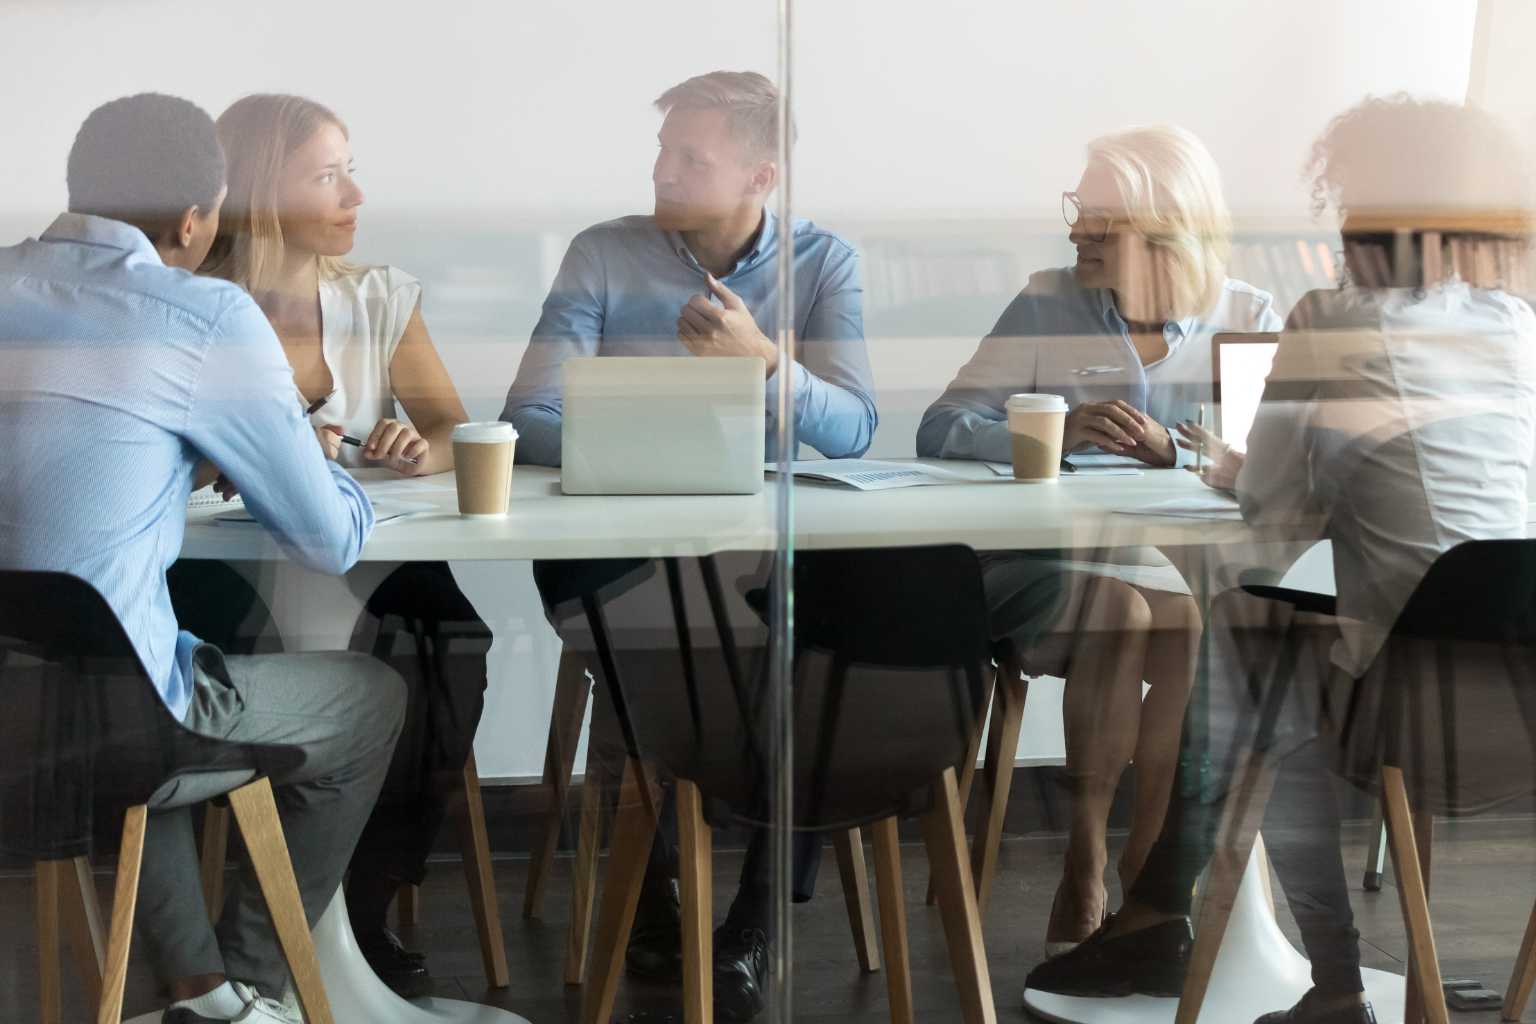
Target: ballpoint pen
319, 403
1200, 441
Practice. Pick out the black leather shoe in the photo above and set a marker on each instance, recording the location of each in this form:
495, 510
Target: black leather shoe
1150, 962
1304, 1012
403, 971
656, 940
741, 971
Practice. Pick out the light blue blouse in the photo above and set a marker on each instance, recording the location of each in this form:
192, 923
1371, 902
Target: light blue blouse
1059, 338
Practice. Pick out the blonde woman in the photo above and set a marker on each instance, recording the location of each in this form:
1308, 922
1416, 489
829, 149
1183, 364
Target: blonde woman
357, 343
1125, 336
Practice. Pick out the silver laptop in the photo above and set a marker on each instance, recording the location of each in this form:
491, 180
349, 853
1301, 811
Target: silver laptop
663, 425
1240, 363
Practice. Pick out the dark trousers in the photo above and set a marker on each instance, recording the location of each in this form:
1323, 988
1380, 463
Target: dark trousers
1285, 668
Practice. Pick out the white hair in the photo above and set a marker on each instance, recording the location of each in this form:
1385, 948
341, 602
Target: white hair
1173, 198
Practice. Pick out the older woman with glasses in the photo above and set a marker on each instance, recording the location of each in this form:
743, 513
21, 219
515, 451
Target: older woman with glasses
1125, 336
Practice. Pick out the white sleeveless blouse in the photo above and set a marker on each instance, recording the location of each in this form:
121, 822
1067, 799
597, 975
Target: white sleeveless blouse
363, 314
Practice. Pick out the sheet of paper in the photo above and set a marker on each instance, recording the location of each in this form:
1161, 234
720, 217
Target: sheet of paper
1207, 505
1006, 469
873, 475
385, 511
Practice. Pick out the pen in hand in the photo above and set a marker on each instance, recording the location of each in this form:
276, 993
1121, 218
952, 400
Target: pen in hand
354, 442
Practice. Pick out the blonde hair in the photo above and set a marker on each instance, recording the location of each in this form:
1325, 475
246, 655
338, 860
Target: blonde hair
1173, 198
749, 100
259, 133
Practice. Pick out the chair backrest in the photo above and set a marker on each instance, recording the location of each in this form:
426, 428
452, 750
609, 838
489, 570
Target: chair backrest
1451, 697
81, 724
890, 686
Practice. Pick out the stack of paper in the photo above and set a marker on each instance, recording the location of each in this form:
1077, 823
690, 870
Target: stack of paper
872, 475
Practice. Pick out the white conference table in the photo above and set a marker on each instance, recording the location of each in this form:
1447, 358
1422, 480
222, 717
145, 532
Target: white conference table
987, 513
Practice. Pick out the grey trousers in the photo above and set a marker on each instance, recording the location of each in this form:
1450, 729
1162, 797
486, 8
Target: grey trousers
343, 712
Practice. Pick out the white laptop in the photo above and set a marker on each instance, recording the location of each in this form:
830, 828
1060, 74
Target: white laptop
663, 425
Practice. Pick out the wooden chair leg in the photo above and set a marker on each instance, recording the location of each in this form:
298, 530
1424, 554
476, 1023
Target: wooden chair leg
82, 922
695, 880
944, 835
215, 852
1236, 834
570, 709
589, 841
848, 844
634, 828
408, 905
50, 976
893, 920
1425, 998
256, 813
475, 846
130, 859
1524, 976
967, 779
997, 775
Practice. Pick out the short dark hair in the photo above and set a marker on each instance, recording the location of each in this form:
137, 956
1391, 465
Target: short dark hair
145, 160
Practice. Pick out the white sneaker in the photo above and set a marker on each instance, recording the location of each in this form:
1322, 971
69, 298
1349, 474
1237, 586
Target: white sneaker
258, 1010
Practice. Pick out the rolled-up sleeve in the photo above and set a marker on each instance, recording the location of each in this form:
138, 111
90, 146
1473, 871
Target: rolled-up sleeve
571, 324
833, 383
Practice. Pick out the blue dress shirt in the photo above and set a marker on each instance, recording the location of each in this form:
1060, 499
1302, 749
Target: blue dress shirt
1058, 337
119, 375
621, 287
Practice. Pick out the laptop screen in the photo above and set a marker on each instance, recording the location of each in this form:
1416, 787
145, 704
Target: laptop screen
1240, 364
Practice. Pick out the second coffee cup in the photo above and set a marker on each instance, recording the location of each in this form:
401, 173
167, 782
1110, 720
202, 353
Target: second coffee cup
482, 467
1035, 425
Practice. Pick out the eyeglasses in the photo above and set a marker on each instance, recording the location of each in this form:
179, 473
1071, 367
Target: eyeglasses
1095, 223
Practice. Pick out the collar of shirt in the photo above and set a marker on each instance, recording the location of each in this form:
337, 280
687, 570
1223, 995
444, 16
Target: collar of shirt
102, 231
1174, 331
763, 246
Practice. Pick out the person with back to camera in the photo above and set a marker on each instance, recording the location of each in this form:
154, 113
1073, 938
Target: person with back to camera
132, 381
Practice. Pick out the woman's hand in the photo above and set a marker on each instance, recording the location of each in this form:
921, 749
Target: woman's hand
330, 440
1223, 461
1121, 428
393, 442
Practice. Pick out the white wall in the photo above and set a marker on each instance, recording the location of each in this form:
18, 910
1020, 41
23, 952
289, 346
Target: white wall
486, 133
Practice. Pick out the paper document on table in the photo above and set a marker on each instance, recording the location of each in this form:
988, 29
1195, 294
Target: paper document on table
384, 512
1130, 467
1205, 505
872, 475
209, 498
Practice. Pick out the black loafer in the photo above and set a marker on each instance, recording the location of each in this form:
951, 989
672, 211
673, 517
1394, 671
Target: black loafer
655, 949
1305, 1013
1150, 962
402, 970
741, 971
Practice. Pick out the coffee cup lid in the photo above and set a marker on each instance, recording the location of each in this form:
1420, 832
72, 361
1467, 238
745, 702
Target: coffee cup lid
491, 432
1037, 403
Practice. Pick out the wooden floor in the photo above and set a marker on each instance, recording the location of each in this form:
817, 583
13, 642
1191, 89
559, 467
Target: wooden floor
1485, 880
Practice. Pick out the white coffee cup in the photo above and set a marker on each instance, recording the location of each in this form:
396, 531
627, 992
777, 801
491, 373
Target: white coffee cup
482, 468
1035, 426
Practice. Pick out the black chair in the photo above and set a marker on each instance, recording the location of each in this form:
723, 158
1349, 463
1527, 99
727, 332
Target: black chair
901, 635
1433, 727
84, 730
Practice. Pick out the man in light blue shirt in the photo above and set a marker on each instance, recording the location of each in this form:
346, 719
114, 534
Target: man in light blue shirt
126, 378
699, 276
